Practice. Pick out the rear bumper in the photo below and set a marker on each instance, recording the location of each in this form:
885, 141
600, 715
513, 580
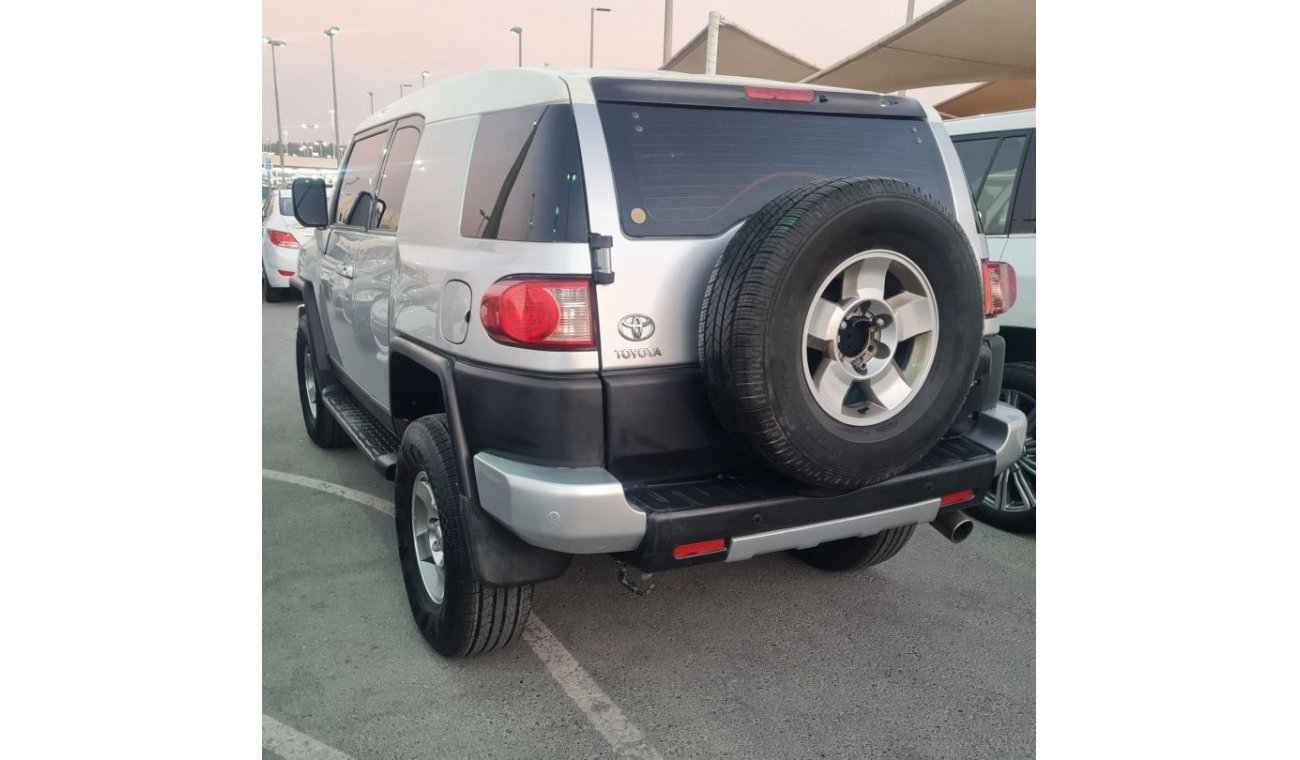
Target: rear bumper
586, 510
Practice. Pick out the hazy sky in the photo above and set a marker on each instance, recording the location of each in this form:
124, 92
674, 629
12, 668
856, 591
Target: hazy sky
385, 43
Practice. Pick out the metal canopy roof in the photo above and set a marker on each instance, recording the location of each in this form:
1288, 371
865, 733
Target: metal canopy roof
740, 53
956, 42
993, 97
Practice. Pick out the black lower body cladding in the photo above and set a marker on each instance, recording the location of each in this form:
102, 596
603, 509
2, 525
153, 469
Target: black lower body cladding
553, 420
753, 329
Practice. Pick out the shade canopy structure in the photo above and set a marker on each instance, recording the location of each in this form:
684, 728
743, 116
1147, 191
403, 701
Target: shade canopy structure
991, 97
740, 53
956, 42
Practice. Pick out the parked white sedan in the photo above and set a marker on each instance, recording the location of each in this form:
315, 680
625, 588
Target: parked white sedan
282, 240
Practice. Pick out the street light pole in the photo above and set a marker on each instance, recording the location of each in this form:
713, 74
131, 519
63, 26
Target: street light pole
275, 80
372, 100
424, 76
591, 55
334, 85
401, 90
519, 31
668, 30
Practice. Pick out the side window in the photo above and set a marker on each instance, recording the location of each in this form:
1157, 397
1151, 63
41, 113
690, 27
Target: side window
397, 171
975, 157
525, 178
994, 199
358, 180
1023, 215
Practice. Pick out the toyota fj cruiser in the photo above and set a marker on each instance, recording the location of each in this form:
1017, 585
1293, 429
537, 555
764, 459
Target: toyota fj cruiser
672, 319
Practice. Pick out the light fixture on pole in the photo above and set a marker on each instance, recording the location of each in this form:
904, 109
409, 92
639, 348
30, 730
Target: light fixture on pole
424, 75
519, 30
334, 85
275, 80
372, 100
591, 57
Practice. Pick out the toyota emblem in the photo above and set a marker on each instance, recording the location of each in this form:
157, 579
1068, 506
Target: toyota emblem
636, 327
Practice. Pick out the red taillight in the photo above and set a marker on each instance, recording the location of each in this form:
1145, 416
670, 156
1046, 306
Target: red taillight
956, 497
711, 546
282, 239
285, 272
543, 313
779, 93
999, 288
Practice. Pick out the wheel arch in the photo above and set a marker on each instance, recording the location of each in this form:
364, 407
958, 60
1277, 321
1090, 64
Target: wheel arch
421, 381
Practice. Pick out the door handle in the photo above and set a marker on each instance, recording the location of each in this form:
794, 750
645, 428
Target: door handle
342, 270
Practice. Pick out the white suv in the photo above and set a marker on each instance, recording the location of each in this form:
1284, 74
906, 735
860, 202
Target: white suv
998, 154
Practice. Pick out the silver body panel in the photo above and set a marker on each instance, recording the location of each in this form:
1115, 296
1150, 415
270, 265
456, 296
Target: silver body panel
577, 510
808, 536
1002, 430
397, 281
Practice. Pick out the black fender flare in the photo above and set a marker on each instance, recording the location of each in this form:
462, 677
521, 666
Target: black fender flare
500, 558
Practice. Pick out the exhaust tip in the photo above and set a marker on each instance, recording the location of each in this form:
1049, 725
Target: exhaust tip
961, 531
955, 526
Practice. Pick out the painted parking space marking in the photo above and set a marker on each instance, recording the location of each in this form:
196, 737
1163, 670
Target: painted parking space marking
623, 736
374, 502
292, 744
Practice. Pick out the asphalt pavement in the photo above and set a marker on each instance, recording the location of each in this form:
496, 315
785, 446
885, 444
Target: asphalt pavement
930, 655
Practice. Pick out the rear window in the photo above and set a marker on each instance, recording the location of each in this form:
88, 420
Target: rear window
688, 171
286, 206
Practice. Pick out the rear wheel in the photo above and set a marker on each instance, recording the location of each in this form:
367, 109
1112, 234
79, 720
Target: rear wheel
321, 426
270, 294
453, 612
1012, 500
855, 553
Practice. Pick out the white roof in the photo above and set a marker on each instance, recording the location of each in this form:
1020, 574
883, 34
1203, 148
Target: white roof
498, 89
992, 123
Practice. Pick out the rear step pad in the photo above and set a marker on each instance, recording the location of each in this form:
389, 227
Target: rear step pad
368, 433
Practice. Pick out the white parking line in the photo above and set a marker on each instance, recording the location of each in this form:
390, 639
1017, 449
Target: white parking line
292, 744
623, 735
374, 502
626, 739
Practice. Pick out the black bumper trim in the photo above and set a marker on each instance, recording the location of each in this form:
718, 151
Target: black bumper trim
680, 513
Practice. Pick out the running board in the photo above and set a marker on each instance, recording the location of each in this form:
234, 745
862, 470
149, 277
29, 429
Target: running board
369, 434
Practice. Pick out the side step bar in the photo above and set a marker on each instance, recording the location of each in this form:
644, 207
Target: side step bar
369, 434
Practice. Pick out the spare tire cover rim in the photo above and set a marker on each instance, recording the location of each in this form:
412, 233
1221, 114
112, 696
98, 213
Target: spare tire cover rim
868, 354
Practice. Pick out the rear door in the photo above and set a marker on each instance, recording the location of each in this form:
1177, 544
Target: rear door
676, 168
354, 213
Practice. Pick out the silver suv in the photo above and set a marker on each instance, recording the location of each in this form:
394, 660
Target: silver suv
668, 318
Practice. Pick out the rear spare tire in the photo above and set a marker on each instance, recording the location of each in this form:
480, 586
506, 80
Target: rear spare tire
840, 330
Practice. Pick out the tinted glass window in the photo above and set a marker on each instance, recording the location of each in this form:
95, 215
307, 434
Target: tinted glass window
397, 171
698, 171
525, 178
286, 206
975, 157
358, 180
994, 200
1023, 216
